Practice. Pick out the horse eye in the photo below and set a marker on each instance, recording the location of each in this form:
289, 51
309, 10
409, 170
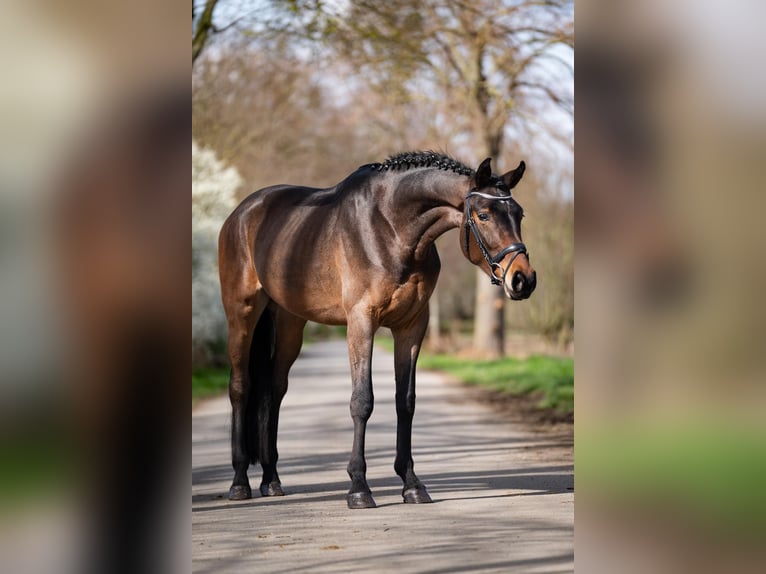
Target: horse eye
484, 216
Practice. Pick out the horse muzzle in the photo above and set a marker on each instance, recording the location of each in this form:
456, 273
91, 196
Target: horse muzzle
520, 285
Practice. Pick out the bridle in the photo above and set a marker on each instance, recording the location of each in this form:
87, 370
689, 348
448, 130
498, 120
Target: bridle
494, 262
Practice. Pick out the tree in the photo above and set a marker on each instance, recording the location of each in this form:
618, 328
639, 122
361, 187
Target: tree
202, 27
491, 60
550, 231
264, 111
473, 79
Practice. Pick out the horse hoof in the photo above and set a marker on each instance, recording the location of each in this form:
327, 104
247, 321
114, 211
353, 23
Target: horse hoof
240, 492
417, 495
360, 500
272, 489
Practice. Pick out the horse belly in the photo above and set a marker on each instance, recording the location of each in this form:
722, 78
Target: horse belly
310, 294
318, 309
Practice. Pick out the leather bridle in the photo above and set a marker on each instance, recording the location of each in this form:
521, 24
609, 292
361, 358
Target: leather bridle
494, 262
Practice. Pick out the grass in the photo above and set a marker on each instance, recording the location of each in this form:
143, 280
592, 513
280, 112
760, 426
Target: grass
549, 378
36, 464
702, 471
209, 382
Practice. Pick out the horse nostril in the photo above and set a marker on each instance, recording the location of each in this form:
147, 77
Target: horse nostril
519, 282
533, 281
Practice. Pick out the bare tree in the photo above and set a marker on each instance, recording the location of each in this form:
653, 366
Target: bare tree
467, 77
202, 27
263, 110
488, 59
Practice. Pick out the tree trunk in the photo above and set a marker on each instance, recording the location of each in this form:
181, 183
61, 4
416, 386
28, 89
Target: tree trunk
489, 318
203, 29
434, 322
489, 312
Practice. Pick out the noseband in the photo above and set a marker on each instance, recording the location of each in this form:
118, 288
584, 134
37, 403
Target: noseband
494, 262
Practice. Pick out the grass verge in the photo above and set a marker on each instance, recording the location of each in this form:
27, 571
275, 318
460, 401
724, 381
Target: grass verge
547, 380
707, 472
209, 382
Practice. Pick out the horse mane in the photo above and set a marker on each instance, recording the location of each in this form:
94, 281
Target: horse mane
414, 159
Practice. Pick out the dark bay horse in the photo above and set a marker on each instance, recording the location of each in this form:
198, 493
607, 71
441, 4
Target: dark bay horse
360, 254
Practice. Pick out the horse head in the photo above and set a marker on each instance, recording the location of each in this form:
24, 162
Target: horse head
491, 231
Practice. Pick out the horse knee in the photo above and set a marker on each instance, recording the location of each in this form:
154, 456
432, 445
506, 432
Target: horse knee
362, 403
238, 390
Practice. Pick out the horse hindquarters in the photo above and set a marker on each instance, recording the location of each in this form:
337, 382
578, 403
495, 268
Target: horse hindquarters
250, 347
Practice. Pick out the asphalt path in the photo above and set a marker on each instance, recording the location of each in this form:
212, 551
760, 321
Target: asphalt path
502, 489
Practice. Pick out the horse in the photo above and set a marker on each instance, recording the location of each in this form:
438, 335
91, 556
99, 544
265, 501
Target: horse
360, 254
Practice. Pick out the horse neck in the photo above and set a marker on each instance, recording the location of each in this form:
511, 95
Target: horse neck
428, 203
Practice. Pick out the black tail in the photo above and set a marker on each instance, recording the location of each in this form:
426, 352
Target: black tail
261, 377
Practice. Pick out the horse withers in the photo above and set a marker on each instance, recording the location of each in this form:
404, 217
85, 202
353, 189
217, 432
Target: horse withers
360, 254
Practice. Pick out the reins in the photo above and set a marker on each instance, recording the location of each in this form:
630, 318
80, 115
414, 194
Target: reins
494, 262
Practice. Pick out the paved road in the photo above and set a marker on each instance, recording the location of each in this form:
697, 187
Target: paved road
503, 499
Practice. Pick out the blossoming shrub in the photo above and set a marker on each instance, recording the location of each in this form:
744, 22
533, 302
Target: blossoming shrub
213, 198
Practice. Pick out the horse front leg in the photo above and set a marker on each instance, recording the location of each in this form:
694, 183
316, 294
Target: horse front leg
407, 343
360, 336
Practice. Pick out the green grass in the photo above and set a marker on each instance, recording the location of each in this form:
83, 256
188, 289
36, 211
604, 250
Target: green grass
703, 471
35, 464
209, 382
550, 378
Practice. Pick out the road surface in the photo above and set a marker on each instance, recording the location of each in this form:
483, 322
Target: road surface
503, 491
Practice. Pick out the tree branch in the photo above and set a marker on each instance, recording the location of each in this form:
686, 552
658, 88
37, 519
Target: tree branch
203, 28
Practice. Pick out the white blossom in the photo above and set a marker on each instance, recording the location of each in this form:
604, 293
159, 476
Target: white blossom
213, 199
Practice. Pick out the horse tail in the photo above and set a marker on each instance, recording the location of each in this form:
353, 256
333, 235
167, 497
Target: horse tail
261, 378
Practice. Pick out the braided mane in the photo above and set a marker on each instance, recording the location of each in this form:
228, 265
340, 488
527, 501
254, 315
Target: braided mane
414, 159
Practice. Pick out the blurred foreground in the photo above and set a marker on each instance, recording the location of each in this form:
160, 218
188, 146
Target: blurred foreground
94, 304
671, 437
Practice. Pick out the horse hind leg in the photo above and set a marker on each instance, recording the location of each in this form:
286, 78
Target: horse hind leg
242, 316
288, 342
244, 302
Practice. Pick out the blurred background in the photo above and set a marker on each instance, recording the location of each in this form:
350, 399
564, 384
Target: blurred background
94, 293
305, 92
670, 445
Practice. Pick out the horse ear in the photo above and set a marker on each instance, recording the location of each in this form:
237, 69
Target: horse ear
512, 177
483, 173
